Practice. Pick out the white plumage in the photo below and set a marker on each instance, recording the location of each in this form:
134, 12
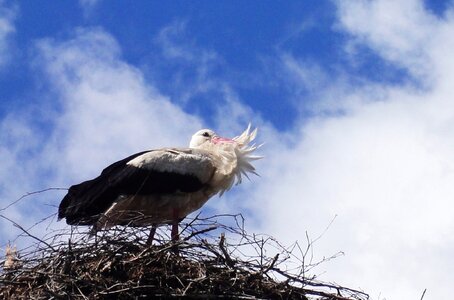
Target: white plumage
161, 186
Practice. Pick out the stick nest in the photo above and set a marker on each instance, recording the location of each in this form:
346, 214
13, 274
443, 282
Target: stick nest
211, 260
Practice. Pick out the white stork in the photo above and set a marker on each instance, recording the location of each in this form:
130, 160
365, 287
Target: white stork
161, 186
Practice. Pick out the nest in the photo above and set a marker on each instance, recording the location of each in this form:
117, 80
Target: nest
211, 260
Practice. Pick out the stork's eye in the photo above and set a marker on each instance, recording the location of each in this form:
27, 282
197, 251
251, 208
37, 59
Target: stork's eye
206, 134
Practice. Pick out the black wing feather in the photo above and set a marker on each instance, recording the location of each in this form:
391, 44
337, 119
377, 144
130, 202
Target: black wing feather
85, 202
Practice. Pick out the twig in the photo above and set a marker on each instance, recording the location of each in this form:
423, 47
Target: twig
423, 294
228, 260
32, 193
132, 288
26, 232
199, 232
273, 262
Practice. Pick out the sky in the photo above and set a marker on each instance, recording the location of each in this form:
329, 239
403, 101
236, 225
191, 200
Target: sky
353, 100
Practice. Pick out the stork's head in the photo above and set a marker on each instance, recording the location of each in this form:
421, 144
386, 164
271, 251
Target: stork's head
236, 153
207, 136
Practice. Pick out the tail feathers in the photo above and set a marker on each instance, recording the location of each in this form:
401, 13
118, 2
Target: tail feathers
84, 202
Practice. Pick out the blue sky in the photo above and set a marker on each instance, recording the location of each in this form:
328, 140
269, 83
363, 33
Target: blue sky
245, 41
353, 100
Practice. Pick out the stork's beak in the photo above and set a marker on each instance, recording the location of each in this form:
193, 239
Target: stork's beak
217, 140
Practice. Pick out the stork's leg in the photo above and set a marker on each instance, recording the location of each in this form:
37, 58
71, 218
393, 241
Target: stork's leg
175, 236
151, 235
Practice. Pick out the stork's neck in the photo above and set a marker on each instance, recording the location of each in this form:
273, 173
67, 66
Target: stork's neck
224, 154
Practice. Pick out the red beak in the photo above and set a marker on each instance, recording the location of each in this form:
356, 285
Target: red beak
217, 140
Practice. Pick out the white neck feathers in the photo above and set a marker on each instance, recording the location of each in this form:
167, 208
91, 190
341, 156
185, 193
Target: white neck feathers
236, 158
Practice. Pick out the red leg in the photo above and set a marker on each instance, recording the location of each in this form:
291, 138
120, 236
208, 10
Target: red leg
151, 235
175, 236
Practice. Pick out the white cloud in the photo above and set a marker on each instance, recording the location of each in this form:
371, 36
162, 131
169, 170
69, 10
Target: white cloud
377, 156
89, 2
384, 173
398, 30
7, 16
194, 68
88, 6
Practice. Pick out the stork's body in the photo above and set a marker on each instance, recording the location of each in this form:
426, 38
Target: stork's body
160, 186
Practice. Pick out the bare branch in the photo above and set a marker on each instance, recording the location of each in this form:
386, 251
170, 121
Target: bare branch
423, 294
32, 193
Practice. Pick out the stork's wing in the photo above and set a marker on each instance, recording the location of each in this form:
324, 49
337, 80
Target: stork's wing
163, 171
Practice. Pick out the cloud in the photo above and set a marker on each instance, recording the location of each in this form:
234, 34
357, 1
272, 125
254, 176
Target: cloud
398, 30
203, 81
89, 3
7, 16
88, 6
194, 69
98, 109
377, 156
